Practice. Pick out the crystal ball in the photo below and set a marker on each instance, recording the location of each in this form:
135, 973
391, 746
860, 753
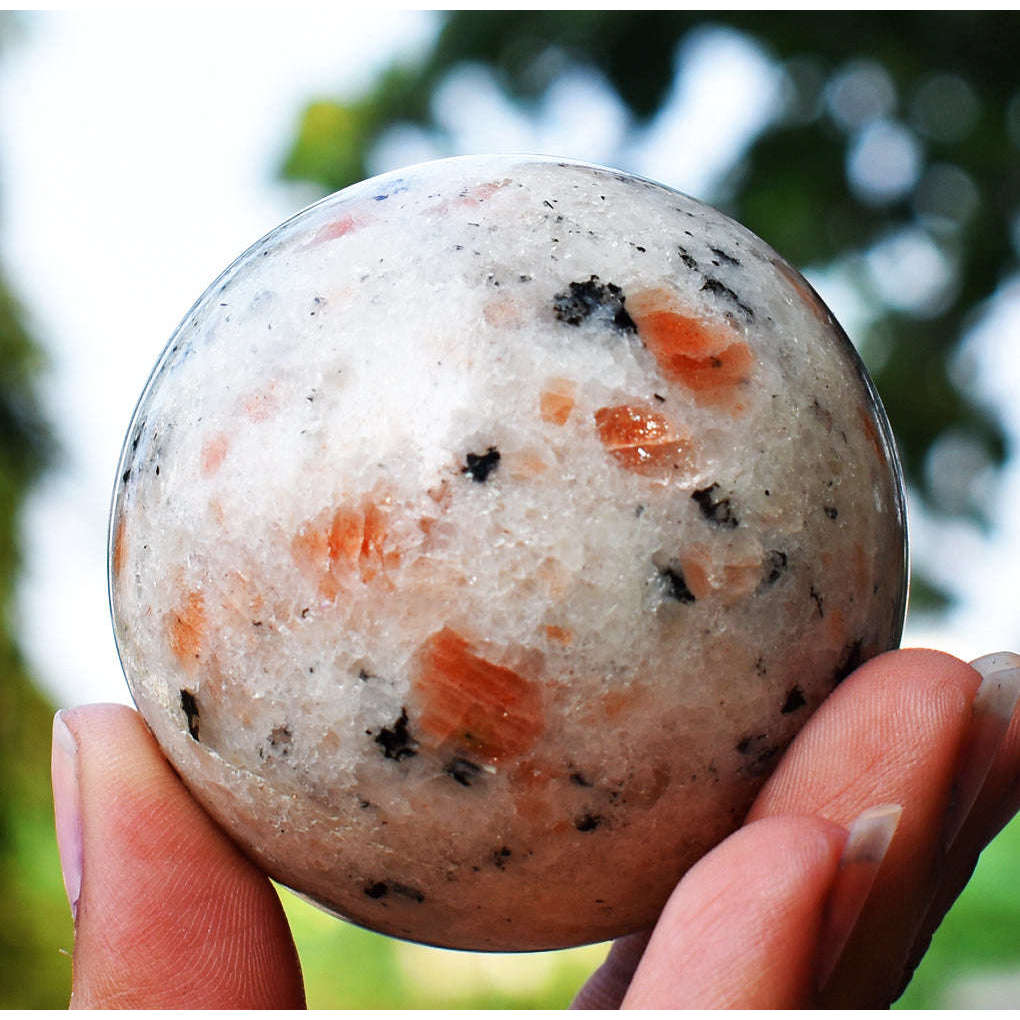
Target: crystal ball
484, 534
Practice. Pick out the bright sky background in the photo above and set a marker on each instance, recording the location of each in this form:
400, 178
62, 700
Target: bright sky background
137, 158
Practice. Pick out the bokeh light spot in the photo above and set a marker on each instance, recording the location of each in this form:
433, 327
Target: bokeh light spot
911, 273
945, 108
860, 93
957, 470
946, 197
884, 162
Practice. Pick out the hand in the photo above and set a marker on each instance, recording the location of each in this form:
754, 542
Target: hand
793, 911
802, 906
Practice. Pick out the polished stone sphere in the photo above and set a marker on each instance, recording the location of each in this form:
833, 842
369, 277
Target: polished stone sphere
483, 536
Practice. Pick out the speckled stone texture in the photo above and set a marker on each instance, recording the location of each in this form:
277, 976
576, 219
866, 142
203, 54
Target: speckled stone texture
485, 533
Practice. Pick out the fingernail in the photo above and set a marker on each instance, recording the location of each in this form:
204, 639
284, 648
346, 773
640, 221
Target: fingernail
67, 809
994, 705
871, 832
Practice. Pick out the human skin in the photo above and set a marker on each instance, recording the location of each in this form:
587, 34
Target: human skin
782, 914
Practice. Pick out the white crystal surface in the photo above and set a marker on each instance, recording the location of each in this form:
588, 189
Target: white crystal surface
484, 534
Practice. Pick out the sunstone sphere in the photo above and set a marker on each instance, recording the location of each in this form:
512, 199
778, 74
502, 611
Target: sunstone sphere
484, 534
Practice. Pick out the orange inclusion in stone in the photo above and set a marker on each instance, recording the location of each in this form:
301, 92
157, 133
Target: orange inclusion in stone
708, 359
640, 439
871, 432
337, 229
563, 635
261, 405
118, 546
480, 192
373, 555
488, 711
187, 629
334, 546
624, 699
557, 401
728, 580
346, 537
214, 450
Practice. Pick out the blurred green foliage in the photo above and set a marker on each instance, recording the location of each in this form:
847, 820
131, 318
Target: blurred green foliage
980, 933
34, 920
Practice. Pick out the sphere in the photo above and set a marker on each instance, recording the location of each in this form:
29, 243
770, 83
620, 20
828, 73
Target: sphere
485, 533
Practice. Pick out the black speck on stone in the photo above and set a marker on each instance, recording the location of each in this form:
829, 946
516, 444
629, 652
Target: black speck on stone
725, 257
686, 257
719, 289
760, 754
396, 742
587, 822
848, 662
775, 565
579, 779
676, 586
794, 701
718, 511
189, 706
462, 770
481, 465
377, 890
816, 597
823, 415
407, 891
280, 740
589, 298
764, 761
500, 856
127, 474
831, 512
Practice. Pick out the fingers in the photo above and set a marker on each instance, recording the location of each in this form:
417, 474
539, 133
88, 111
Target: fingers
898, 731
742, 927
168, 912
911, 730
606, 988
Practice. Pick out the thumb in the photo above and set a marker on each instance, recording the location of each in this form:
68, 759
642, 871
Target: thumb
168, 913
